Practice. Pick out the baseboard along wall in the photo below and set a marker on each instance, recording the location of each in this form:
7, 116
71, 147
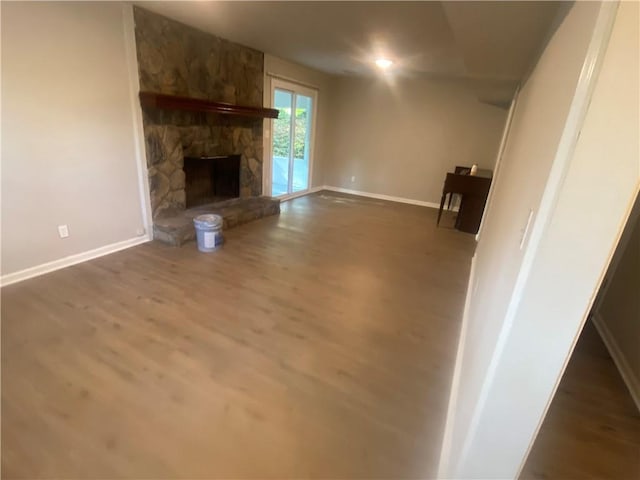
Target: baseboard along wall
48, 267
380, 196
64, 262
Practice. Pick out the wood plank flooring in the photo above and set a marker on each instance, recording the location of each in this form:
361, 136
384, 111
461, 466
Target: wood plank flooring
316, 344
592, 429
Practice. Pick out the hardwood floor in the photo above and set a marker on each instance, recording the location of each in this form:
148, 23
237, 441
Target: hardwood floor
592, 430
319, 343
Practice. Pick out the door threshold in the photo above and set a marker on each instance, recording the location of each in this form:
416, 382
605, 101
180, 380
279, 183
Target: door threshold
291, 196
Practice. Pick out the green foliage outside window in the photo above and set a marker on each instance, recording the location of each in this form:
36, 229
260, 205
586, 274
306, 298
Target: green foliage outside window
281, 133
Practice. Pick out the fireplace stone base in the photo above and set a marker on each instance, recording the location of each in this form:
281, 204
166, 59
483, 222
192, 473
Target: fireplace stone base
178, 229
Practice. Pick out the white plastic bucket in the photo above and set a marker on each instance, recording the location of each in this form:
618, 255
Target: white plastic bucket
208, 232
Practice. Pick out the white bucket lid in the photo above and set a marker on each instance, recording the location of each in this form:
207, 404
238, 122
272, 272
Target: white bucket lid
208, 220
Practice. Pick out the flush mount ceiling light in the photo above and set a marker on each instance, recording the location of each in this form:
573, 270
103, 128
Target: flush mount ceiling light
383, 63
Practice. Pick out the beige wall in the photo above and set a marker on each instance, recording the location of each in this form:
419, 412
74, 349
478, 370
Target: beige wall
537, 125
308, 77
68, 151
400, 139
526, 306
618, 311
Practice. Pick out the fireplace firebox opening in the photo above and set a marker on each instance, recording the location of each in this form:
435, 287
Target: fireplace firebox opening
211, 179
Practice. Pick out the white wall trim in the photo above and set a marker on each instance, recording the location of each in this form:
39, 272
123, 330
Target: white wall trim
496, 167
64, 262
380, 196
267, 128
626, 372
445, 452
136, 109
360, 193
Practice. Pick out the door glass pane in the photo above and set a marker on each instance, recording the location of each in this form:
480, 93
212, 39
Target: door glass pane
282, 101
302, 143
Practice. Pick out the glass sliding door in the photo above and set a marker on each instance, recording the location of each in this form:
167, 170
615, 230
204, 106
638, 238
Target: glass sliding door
301, 143
292, 137
281, 146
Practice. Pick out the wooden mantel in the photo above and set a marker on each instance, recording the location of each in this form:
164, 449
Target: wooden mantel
172, 102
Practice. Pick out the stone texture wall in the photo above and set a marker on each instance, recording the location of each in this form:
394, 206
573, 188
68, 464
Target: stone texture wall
179, 60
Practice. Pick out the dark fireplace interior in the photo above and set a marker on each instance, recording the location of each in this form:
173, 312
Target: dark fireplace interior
211, 179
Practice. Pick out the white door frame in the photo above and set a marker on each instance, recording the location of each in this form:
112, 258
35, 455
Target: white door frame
452, 463
270, 85
496, 168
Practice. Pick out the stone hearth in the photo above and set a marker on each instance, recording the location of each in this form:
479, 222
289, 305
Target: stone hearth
178, 229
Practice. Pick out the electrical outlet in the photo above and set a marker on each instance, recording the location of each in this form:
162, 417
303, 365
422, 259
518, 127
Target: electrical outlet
353, 178
63, 231
140, 231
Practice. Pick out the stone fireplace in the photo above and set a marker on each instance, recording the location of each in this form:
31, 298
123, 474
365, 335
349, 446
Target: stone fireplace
184, 148
194, 135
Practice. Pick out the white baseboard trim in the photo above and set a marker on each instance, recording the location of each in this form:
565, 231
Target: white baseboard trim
31, 272
389, 198
360, 193
627, 374
38, 270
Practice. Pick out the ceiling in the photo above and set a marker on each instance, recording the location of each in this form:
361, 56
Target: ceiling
489, 44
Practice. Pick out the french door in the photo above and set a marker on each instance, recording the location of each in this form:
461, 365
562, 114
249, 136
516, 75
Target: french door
292, 137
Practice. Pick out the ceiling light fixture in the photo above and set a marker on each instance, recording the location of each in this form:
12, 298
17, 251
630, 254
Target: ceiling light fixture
383, 63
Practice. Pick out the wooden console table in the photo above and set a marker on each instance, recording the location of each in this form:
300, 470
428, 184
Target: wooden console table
474, 190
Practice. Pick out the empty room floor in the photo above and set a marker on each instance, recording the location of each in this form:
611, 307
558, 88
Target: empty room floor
320, 343
592, 429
